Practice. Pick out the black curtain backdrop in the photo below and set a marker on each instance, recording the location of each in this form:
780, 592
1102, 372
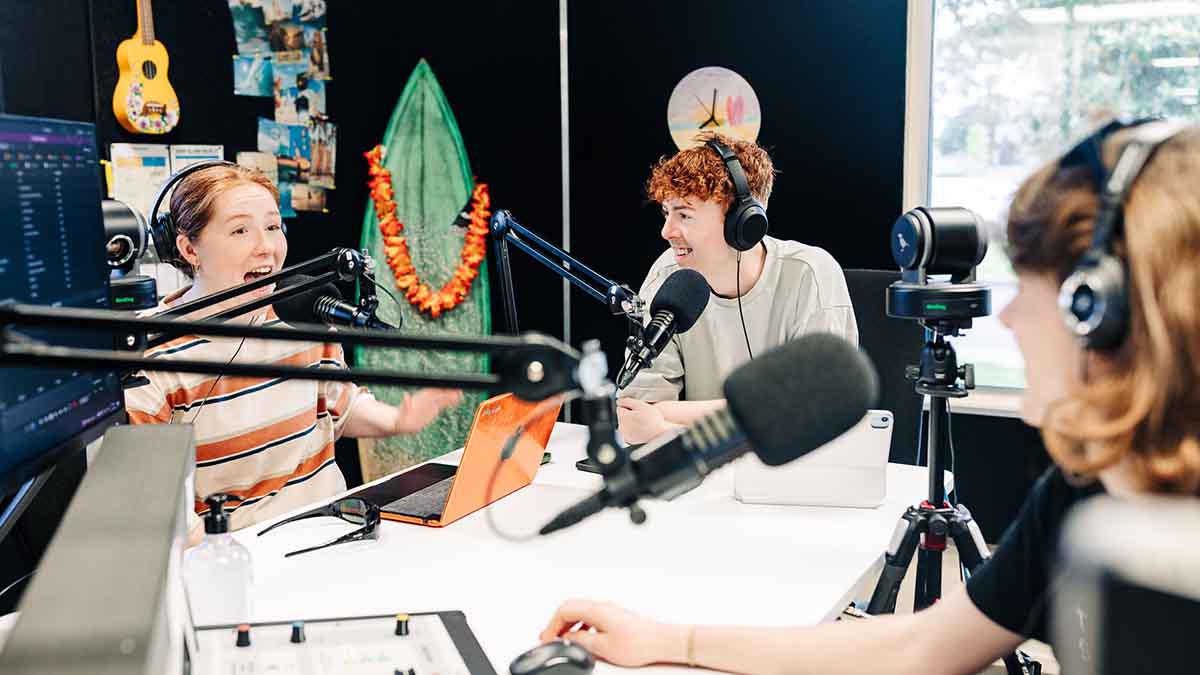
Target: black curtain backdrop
829, 76
830, 80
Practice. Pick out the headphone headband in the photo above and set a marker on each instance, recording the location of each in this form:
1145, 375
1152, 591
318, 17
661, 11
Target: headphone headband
162, 227
1093, 299
741, 186
746, 220
180, 175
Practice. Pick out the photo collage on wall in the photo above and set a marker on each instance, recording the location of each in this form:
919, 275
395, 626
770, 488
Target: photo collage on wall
283, 54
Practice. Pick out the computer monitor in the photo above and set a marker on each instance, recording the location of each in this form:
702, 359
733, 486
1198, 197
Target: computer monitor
51, 253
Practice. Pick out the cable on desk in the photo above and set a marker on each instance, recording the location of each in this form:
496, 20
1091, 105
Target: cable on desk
506, 452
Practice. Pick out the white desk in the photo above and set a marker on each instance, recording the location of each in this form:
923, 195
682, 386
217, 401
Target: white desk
704, 558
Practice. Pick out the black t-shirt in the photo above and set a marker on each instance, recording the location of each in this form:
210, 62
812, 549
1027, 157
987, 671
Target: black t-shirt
1014, 587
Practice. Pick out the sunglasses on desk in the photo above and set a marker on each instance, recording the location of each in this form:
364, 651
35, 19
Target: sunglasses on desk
354, 511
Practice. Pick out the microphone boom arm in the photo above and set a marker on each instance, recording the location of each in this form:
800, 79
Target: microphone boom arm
532, 366
619, 298
340, 264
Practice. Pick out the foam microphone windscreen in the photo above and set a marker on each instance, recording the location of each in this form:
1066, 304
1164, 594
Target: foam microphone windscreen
799, 396
685, 293
298, 308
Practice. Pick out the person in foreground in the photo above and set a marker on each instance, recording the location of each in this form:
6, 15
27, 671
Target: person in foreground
1116, 418
269, 442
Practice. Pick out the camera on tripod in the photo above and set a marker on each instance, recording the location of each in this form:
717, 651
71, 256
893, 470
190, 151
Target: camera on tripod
928, 242
947, 243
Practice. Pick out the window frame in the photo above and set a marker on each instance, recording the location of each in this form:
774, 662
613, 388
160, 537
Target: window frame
917, 168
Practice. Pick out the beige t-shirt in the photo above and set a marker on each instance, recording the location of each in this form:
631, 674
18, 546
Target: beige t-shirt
801, 290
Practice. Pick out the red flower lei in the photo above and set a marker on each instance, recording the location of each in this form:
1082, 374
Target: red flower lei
395, 247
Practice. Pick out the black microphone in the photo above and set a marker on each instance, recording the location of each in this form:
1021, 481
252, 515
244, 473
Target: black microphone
675, 308
324, 304
771, 410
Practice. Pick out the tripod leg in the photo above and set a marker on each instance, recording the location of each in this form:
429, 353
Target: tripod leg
968, 538
929, 576
899, 555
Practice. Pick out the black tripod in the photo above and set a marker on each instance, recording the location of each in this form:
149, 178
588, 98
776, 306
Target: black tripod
923, 528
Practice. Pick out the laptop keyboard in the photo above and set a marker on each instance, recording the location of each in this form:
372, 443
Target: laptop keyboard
426, 503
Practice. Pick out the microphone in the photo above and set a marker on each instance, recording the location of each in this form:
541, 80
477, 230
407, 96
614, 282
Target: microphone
324, 304
771, 410
675, 308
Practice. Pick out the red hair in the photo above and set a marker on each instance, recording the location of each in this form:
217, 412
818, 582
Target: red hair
698, 172
195, 198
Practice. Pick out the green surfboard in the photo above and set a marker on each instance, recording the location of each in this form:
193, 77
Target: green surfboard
432, 180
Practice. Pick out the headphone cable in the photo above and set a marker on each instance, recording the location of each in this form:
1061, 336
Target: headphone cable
738, 290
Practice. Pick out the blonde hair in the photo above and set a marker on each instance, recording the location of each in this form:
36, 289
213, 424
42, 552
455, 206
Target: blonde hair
195, 198
1140, 404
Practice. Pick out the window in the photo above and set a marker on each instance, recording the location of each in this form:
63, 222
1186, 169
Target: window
1012, 84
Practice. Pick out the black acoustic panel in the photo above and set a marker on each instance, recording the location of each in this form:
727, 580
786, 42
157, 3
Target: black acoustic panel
496, 61
830, 79
498, 65
46, 59
199, 40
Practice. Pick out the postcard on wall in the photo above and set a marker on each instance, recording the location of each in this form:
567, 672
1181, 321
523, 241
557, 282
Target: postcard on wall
318, 53
323, 141
286, 36
307, 197
249, 26
310, 12
138, 171
253, 75
283, 140
298, 98
292, 147
276, 10
263, 162
285, 200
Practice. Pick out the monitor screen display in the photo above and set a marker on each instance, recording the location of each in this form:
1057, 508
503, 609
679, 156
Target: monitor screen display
51, 253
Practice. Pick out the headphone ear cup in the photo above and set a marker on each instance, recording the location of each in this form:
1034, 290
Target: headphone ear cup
1094, 303
162, 233
746, 224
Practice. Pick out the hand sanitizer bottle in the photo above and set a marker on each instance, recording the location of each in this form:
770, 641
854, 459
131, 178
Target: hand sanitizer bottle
218, 573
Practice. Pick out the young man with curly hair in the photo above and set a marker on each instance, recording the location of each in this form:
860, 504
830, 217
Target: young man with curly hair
776, 291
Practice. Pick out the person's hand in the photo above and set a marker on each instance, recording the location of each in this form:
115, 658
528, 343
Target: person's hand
639, 421
615, 634
420, 408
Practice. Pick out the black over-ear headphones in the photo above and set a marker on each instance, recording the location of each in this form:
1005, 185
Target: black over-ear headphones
1094, 298
746, 221
162, 227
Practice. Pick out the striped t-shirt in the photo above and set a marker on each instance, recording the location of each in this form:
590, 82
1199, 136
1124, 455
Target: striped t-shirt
269, 441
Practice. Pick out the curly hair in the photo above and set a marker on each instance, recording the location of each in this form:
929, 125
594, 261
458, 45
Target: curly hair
698, 172
1139, 403
194, 200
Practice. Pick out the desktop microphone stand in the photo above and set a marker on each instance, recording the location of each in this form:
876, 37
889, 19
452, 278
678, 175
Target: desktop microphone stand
924, 527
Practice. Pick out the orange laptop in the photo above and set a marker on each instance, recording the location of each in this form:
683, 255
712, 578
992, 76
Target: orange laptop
437, 494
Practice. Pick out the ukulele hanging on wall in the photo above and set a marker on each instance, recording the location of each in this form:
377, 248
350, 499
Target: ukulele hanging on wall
144, 101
